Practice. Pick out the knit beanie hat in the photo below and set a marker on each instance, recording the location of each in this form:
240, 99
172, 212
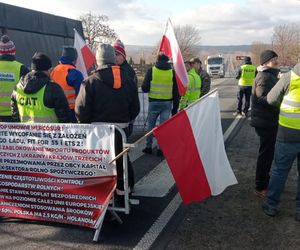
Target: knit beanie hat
7, 46
105, 54
40, 62
162, 57
119, 47
69, 53
267, 55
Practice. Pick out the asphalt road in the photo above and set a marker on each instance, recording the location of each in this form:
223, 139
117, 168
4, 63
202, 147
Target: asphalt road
21, 234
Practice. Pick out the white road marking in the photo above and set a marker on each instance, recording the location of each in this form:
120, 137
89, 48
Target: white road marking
149, 237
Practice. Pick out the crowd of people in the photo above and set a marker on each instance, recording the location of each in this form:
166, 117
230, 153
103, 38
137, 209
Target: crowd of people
275, 115
110, 95
45, 94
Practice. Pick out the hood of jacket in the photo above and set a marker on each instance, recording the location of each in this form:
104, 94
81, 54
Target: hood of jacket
163, 65
296, 69
34, 81
105, 75
273, 71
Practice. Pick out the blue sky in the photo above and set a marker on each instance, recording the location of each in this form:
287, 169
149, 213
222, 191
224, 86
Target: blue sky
219, 22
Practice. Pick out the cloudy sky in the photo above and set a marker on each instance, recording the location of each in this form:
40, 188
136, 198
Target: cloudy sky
220, 22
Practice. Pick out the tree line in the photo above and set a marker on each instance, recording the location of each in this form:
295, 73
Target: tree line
285, 42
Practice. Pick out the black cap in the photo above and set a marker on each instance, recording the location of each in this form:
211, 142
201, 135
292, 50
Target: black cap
195, 60
267, 55
40, 62
247, 59
70, 53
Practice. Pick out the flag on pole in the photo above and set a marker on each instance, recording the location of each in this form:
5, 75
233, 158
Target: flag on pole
86, 58
169, 46
192, 143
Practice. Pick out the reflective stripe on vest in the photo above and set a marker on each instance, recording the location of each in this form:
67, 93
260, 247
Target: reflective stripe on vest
31, 107
290, 106
9, 77
59, 75
248, 75
161, 85
195, 88
117, 76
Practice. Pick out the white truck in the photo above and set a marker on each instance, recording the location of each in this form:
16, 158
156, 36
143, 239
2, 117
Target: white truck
215, 66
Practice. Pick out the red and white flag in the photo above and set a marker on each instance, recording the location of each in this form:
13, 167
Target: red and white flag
169, 46
192, 143
86, 58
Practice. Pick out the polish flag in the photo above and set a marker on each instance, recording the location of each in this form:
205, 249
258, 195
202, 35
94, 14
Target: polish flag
169, 46
192, 143
86, 58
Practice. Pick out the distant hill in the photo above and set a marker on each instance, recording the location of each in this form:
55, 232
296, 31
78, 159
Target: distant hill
149, 52
226, 49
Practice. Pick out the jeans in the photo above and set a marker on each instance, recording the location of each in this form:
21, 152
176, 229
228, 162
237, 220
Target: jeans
157, 108
244, 91
285, 154
267, 136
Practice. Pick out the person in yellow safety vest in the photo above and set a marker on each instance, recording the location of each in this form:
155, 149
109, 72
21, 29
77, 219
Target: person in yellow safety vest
205, 78
68, 77
36, 98
246, 76
10, 73
193, 91
160, 83
286, 95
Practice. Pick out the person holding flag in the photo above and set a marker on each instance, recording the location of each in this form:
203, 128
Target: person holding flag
68, 77
160, 83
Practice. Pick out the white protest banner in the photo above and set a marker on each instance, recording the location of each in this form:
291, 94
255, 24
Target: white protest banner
56, 172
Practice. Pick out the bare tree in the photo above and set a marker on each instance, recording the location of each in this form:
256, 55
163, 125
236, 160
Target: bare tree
256, 49
188, 37
96, 29
286, 42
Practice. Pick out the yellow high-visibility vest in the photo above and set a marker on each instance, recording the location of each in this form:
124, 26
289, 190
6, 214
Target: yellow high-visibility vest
290, 106
248, 75
161, 85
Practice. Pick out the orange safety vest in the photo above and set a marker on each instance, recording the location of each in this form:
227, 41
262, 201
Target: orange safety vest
59, 75
117, 76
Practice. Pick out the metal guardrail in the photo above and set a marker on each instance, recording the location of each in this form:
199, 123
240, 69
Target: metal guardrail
140, 123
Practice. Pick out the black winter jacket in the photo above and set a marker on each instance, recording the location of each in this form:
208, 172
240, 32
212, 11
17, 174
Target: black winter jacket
262, 113
99, 101
130, 71
54, 96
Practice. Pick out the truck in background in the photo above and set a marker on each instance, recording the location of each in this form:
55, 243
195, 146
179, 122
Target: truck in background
215, 66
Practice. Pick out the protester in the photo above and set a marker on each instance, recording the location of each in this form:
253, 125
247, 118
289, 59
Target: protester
122, 62
68, 77
38, 99
109, 96
205, 78
246, 76
160, 83
193, 92
264, 118
10, 73
286, 94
